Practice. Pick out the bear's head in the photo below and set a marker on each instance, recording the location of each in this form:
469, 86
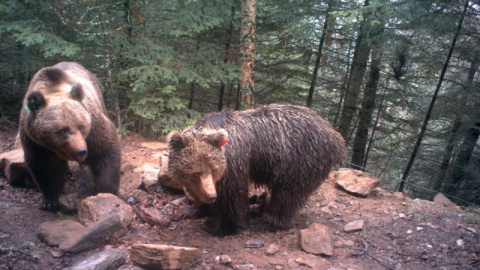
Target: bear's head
57, 118
197, 161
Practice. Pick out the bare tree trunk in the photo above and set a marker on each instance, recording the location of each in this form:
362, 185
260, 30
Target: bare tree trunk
368, 104
463, 159
374, 128
111, 89
359, 65
344, 87
317, 61
226, 58
447, 156
432, 103
192, 94
456, 126
247, 52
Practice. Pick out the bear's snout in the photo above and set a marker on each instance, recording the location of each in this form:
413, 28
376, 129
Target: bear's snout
81, 154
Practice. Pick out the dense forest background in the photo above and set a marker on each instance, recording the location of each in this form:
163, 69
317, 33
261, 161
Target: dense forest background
398, 78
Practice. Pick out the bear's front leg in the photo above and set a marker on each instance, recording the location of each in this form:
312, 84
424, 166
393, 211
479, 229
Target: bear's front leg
105, 171
49, 173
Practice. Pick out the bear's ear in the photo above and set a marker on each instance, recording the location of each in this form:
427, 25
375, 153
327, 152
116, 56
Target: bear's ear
175, 141
218, 138
54, 75
76, 92
35, 101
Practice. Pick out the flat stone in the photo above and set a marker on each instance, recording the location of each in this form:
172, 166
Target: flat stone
96, 208
12, 166
163, 256
55, 232
354, 226
68, 203
317, 239
107, 259
272, 249
164, 178
255, 243
356, 182
149, 176
443, 200
95, 235
153, 216
129, 182
139, 195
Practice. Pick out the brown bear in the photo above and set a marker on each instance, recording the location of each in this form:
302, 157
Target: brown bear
288, 149
64, 118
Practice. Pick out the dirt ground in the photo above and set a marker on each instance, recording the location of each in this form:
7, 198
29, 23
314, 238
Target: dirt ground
433, 237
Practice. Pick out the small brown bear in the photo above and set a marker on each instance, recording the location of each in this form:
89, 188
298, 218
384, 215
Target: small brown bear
64, 118
288, 149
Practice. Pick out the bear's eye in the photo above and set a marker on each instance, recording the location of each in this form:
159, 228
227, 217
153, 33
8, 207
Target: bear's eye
63, 132
197, 175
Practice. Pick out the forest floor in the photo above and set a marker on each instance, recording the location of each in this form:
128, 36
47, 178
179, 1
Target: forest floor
399, 232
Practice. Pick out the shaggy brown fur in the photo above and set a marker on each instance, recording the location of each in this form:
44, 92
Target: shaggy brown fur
64, 118
288, 149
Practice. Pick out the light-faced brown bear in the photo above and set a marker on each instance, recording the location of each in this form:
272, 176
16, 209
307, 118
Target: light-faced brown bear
288, 149
64, 118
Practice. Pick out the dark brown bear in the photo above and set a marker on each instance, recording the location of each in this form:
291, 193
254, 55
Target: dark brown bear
288, 149
64, 118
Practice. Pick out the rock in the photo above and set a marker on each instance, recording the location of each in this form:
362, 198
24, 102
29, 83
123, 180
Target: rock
68, 203
12, 166
130, 267
95, 235
102, 206
355, 182
163, 256
421, 207
354, 226
129, 182
443, 200
107, 259
459, 242
139, 195
149, 176
307, 263
57, 253
55, 232
317, 239
154, 145
223, 259
164, 179
255, 243
272, 249
127, 168
153, 216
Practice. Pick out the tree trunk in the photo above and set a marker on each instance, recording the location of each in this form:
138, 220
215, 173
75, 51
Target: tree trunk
432, 103
463, 159
111, 89
226, 58
374, 128
447, 155
359, 65
192, 94
247, 52
317, 61
456, 126
368, 104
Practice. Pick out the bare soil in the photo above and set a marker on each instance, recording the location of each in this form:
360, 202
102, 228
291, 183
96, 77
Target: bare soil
428, 238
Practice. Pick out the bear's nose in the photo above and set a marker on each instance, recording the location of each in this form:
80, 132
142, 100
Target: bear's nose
82, 153
212, 198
